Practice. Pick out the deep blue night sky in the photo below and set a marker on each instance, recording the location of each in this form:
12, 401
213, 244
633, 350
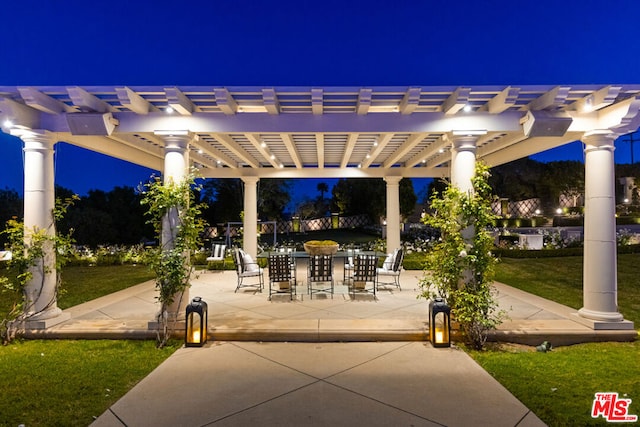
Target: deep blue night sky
289, 43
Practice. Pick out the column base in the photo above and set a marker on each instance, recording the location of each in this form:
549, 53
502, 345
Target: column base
600, 315
46, 320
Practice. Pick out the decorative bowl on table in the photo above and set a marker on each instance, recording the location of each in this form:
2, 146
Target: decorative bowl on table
321, 247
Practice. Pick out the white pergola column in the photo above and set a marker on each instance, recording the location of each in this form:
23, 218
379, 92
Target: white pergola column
600, 283
176, 162
176, 165
463, 162
393, 212
39, 202
250, 221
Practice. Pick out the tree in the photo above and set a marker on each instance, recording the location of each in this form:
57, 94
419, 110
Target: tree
225, 199
354, 196
322, 188
273, 197
408, 197
10, 207
113, 217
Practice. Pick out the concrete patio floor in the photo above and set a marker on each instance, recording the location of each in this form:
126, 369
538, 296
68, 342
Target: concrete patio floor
396, 315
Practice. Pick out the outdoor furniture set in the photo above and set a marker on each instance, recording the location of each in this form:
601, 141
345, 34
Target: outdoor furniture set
361, 272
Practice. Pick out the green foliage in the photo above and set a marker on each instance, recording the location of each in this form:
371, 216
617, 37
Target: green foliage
175, 217
407, 197
461, 266
31, 250
354, 196
69, 382
559, 386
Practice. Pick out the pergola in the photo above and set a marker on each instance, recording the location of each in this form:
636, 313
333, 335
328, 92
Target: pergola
334, 132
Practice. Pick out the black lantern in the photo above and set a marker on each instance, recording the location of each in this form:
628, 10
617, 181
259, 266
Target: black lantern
439, 323
196, 323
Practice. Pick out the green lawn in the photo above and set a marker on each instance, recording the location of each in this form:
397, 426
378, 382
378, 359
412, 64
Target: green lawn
560, 279
559, 386
82, 284
68, 383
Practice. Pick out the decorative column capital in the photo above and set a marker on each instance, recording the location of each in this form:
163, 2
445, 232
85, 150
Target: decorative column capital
392, 180
465, 140
250, 179
599, 139
175, 140
35, 139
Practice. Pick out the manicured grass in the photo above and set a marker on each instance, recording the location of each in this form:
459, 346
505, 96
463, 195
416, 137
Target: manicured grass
559, 386
82, 284
68, 383
560, 280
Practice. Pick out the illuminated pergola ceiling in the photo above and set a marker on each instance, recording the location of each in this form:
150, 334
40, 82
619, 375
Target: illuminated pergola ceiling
324, 131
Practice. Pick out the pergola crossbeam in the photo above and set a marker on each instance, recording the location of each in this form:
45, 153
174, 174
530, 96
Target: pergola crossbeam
179, 101
88, 102
38, 100
134, 102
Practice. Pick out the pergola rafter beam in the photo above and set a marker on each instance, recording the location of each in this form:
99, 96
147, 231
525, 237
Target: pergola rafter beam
320, 149
432, 149
262, 148
406, 147
231, 145
348, 149
381, 142
291, 148
218, 155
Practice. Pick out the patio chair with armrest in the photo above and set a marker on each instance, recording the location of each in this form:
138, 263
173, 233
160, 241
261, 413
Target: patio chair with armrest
391, 269
246, 268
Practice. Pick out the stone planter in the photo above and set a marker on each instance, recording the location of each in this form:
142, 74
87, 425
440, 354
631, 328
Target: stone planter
312, 249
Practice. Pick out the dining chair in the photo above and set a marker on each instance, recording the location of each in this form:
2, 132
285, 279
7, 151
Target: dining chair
320, 275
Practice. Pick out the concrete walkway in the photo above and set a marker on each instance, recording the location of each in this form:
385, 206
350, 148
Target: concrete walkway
318, 384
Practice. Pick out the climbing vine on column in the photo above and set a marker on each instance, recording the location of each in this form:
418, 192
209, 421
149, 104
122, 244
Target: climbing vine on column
175, 217
461, 266
29, 256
